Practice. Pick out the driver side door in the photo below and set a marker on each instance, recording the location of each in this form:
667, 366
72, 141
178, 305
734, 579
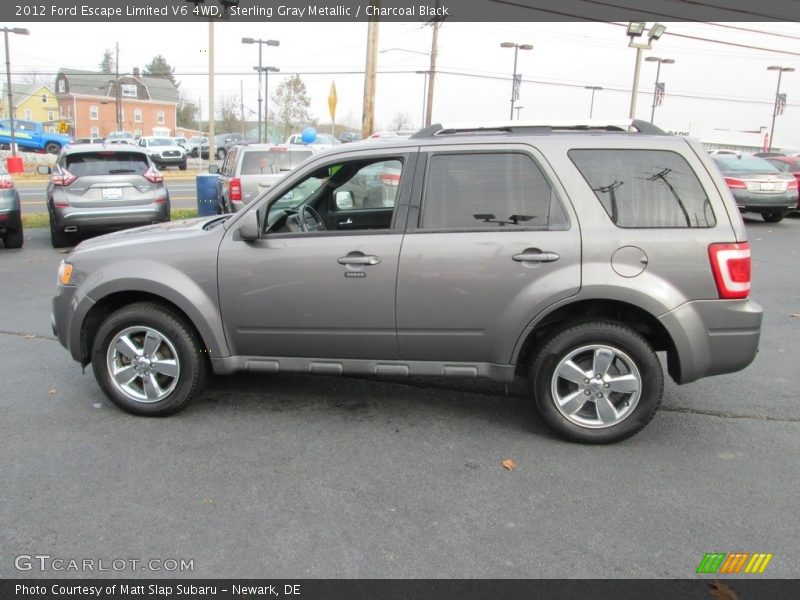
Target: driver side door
327, 294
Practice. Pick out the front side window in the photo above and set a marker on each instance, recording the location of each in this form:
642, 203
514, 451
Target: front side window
489, 190
645, 188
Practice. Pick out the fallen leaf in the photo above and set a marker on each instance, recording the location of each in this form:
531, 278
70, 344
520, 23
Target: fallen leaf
51, 391
721, 591
508, 464
29, 336
796, 315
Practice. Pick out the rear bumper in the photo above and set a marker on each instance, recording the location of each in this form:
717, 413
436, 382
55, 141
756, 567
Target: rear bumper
99, 219
712, 337
765, 202
10, 220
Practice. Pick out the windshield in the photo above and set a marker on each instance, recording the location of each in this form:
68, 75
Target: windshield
262, 162
106, 163
748, 164
160, 142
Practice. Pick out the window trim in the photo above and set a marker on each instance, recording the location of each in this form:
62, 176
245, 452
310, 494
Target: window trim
415, 225
94, 112
137, 115
160, 117
128, 86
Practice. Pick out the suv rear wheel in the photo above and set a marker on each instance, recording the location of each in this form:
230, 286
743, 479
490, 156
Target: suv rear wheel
596, 381
772, 217
148, 360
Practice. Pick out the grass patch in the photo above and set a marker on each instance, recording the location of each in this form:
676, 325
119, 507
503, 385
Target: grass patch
34, 220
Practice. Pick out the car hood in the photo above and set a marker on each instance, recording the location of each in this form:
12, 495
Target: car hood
149, 235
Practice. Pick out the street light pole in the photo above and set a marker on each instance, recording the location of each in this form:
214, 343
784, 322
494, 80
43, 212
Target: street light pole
594, 88
781, 71
660, 61
267, 71
635, 31
514, 88
518, 108
6, 31
260, 42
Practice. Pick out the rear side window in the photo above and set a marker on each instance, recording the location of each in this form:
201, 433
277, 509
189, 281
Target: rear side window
260, 162
106, 163
645, 188
497, 190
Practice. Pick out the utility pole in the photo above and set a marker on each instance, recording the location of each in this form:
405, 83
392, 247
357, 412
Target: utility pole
212, 151
432, 71
370, 75
117, 98
241, 103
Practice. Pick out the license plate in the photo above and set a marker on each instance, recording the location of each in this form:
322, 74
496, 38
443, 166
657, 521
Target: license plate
112, 193
767, 187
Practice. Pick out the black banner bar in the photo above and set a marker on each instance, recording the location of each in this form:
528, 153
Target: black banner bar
416, 589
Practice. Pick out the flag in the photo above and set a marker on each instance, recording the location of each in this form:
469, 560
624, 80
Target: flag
659, 94
517, 83
780, 104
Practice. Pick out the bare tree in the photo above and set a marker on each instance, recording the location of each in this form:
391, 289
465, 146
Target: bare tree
291, 105
228, 118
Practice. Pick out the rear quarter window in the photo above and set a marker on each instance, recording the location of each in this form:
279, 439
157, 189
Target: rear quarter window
645, 188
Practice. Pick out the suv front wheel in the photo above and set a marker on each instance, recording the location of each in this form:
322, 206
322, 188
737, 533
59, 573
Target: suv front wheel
596, 382
148, 360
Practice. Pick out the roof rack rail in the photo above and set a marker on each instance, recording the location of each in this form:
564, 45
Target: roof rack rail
539, 127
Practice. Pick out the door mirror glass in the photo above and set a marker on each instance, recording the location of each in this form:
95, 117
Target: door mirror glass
344, 200
250, 229
213, 169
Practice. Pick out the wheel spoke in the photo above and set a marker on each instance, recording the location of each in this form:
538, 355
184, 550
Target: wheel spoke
151, 343
125, 346
573, 402
151, 388
125, 375
603, 357
624, 384
605, 410
571, 372
166, 367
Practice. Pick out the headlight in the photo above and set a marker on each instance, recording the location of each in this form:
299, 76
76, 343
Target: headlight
64, 273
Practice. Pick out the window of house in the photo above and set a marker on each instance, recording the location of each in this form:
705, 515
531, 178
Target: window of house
129, 90
160, 117
137, 115
44, 98
28, 115
489, 190
93, 113
62, 86
137, 132
51, 115
645, 188
94, 132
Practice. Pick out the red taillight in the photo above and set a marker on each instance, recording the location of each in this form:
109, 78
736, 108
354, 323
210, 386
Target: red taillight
235, 190
6, 183
153, 176
792, 185
62, 177
735, 184
730, 264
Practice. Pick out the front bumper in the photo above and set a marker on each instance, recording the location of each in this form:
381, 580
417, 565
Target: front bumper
168, 160
712, 337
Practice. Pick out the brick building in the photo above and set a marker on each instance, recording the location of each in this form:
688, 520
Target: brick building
88, 100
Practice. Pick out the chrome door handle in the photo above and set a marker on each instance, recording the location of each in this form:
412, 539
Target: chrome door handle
535, 255
358, 260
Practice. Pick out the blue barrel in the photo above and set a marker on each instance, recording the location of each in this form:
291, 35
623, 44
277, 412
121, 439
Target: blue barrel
207, 201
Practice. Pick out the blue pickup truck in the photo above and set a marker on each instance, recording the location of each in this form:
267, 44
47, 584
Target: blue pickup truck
31, 136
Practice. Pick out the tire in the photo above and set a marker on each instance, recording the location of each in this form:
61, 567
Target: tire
182, 166
149, 332
13, 239
772, 217
221, 154
195, 153
52, 148
567, 395
59, 239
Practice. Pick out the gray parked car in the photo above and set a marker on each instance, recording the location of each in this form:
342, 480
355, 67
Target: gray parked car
10, 211
758, 186
103, 188
249, 170
567, 254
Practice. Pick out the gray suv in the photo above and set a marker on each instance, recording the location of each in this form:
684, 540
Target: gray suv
566, 254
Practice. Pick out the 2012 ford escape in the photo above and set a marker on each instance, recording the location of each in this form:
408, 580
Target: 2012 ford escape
569, 253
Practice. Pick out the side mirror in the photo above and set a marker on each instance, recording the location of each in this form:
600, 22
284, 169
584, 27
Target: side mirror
250, 229
213, 169
43, 170
344, 200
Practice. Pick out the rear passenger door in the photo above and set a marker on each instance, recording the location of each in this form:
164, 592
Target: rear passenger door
490, 242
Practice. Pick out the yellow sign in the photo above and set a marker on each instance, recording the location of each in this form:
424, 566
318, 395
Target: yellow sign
63, 127
332, 100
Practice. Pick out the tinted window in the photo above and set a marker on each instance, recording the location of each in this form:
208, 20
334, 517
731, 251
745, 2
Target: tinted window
488, 190
106, 163
645, 188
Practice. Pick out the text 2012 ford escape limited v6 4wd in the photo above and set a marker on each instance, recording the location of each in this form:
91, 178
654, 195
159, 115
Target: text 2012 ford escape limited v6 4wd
568, 253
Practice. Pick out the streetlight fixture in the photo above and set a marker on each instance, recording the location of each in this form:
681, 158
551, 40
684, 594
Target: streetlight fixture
515, 82
6, 31
518, 108
260, 42
635, 31
594, 88
779, 103
267, 71
656, 95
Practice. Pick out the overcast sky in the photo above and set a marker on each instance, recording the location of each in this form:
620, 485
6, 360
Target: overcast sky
710, 86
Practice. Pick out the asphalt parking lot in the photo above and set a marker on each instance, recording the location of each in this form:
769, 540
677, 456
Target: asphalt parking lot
305, 476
